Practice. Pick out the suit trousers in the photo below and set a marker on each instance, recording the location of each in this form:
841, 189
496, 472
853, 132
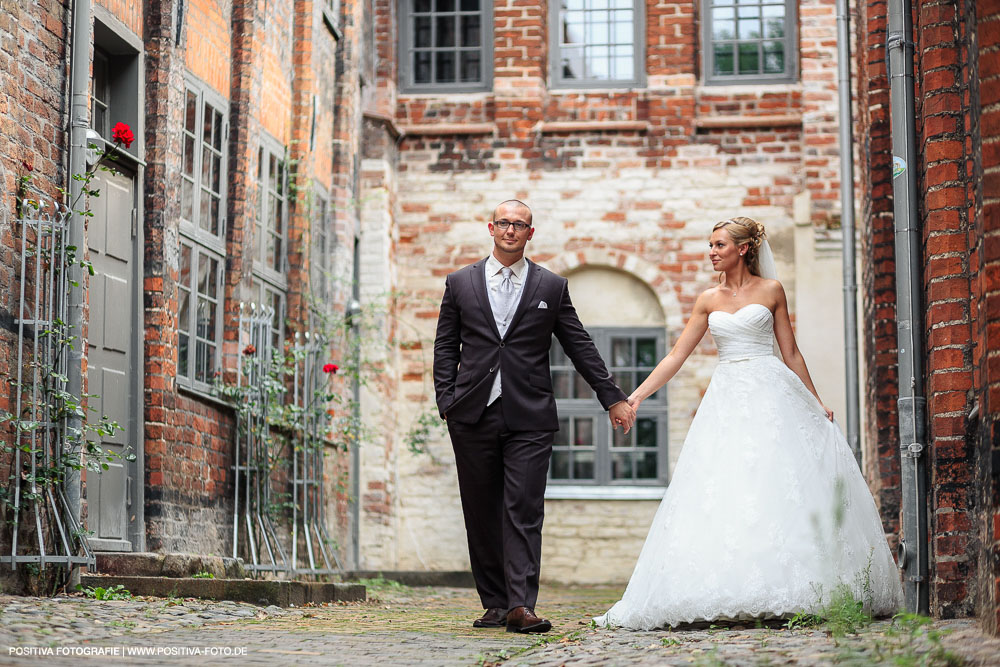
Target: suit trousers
501, 477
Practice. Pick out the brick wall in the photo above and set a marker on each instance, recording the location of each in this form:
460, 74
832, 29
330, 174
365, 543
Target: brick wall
956, 46
878, 272
33, 51
985, 89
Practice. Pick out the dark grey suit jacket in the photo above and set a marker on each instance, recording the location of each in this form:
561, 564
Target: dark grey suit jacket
468, 350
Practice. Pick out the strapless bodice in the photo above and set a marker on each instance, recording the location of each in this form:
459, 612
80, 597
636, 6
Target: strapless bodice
745, 334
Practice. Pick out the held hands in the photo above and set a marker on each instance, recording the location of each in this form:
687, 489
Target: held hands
634, 402
622, 414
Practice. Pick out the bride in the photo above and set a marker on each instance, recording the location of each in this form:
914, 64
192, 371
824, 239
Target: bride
767, 513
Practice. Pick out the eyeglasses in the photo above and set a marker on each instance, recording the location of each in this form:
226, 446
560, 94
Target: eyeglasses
504, 224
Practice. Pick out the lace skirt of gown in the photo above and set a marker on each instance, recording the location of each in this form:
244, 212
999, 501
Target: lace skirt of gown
766, 515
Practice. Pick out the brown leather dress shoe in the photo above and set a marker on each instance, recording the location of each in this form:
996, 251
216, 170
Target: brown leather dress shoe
493, 618
523, 619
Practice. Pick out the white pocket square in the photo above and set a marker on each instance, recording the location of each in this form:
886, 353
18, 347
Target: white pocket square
542, 304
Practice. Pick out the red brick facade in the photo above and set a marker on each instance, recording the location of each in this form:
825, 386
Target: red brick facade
956, 47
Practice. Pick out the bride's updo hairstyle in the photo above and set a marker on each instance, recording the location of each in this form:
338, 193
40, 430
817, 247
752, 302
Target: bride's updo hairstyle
746, 230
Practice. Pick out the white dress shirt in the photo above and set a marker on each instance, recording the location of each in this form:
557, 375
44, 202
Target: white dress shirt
494, 277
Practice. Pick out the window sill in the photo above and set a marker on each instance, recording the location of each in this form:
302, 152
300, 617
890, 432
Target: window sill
203, 396
438, 129
583, 492
552, 127
773, 120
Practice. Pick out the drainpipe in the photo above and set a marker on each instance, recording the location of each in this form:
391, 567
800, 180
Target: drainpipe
847, 227
912, 404
79, 123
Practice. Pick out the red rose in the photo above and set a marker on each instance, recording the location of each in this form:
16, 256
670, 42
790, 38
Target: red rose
27, 165
122, 134
330, 368
249, 349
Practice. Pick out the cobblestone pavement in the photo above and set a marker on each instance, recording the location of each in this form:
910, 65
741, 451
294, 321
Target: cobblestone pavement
432, 626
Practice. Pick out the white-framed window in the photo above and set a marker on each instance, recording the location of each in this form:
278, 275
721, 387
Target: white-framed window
586, 451
446, 45
597, 43
321, 252
202, 236
199, 326
270, 264
749, 41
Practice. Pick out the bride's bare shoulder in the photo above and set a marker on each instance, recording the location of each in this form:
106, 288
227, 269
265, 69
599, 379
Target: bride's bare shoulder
706, 299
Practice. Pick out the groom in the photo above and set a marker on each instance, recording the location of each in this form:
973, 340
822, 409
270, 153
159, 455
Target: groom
494, 388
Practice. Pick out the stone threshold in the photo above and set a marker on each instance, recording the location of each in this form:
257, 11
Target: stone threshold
447, 579
254, 591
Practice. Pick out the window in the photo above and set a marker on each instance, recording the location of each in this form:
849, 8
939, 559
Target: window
320, 263
270, 235
199, 323
202, 244
446, 45
584, 450
100, 94
597, 43
749, 41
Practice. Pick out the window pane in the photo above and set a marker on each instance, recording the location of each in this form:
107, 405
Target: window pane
422, 31
445, 31
572, 63
206, 319
621, 466
621, 352
444, 5
560, 465
645, 352
190, 112
422, 67
645, 432
573, 29
723, 58
470, 5
470, 66
208, 275
583, 465
562, 435
188, 159
471, 31
183, 350
583, 435
749, 60
422, 5
444, 67
723, 29
645, 465
774, 57
187, 199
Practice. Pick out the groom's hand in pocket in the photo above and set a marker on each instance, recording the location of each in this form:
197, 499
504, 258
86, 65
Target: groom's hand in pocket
622, 414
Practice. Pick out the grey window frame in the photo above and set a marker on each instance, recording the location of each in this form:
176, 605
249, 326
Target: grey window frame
201, 241
556, 79
272, 281
191, 328
278, 275
192, 228
406, 83
654, 406
322, 242
791, 51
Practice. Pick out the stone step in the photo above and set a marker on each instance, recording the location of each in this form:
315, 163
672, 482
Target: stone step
147, 564
450, 579
254, 591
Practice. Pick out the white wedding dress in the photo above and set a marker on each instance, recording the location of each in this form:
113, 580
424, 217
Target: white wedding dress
767, 512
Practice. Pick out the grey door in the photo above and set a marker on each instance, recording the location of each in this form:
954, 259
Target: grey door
111, 353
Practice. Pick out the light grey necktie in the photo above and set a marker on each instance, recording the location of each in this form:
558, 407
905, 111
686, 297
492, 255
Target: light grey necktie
505, 296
